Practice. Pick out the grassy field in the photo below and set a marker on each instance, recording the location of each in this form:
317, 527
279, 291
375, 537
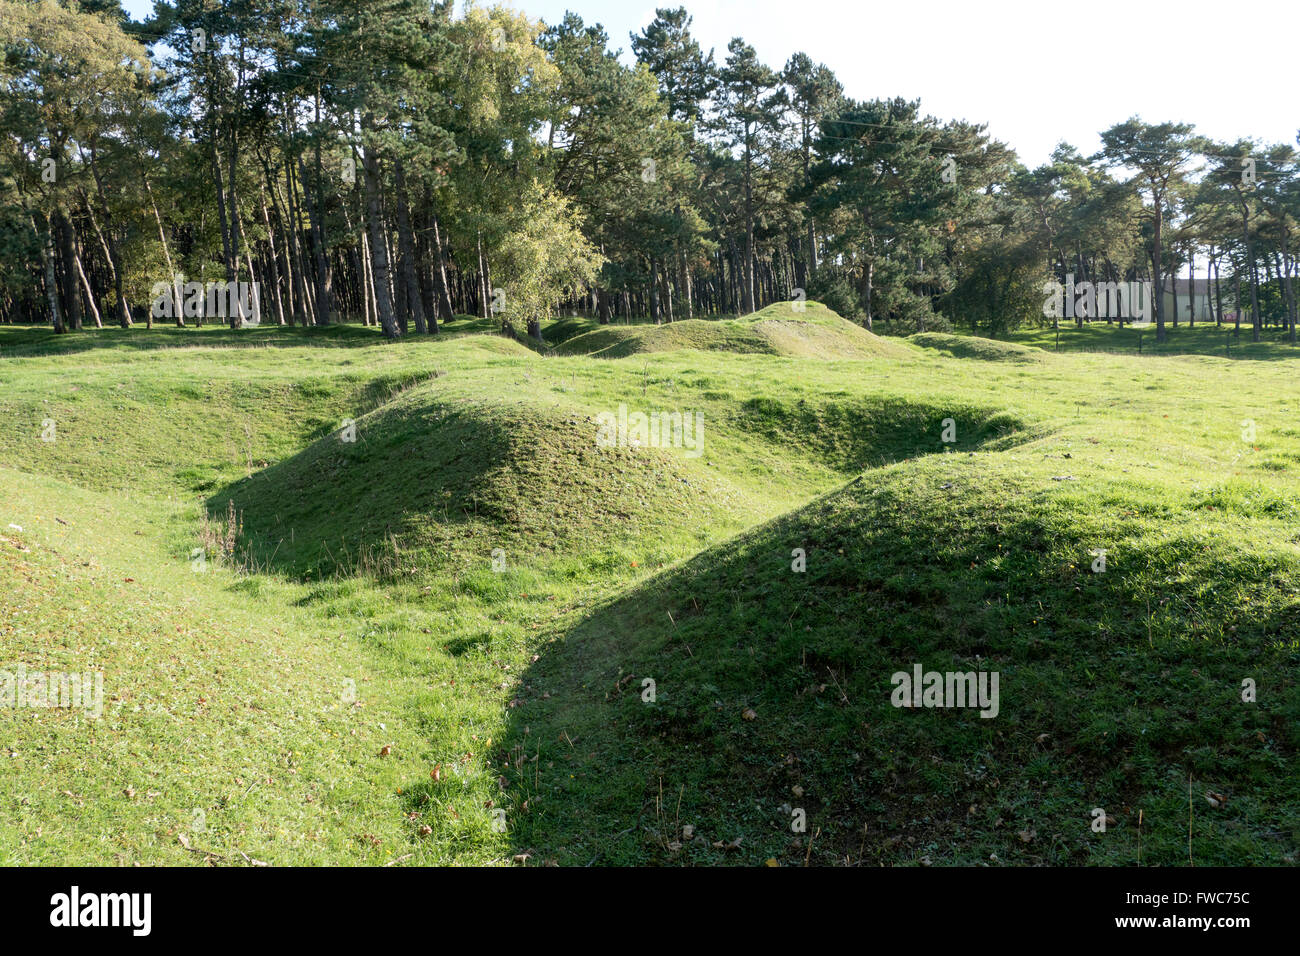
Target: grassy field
361, 603
1203, 338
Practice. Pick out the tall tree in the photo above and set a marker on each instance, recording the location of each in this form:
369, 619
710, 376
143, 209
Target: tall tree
750, 105
885, 162
1159, 154
814, 94
685, 73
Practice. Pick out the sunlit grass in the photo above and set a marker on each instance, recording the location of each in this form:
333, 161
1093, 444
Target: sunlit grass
359, 609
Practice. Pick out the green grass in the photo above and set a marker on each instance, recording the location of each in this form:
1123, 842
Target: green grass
346, 679
799, 330
1203, 338
970, 346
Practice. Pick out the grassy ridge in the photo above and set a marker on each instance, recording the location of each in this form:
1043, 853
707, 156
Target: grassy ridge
1117, 687
794, 329
520, 690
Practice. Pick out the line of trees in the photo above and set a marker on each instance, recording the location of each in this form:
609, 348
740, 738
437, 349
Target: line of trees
396, 164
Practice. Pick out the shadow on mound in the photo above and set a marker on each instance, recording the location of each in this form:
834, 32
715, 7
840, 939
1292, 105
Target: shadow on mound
852, 436
972, 346
687, 721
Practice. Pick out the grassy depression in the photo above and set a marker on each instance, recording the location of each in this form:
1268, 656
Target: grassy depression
347, 675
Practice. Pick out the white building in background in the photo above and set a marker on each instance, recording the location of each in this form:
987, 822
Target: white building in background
1201, 304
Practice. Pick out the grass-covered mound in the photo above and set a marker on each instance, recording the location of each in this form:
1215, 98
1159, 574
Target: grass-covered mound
433, 481
467, 681
773, 687
814, 331
971, 346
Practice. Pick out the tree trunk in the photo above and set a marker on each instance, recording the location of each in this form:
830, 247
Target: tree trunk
320, 250
273, 259
67, 251
444, 290
868, 267
484, 297
654, 292
367, 299
1289, 265
90, 295
667, 289
1156, 264
177, 311
1173, 291
406, 251
106, 237
51, 281
378, 244
749, 236
1218, 293
1236, 276
1254, 275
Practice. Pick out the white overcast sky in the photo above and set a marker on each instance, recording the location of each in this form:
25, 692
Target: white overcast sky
1034, 73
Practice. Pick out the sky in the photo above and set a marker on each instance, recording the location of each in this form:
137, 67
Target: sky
1033, 76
